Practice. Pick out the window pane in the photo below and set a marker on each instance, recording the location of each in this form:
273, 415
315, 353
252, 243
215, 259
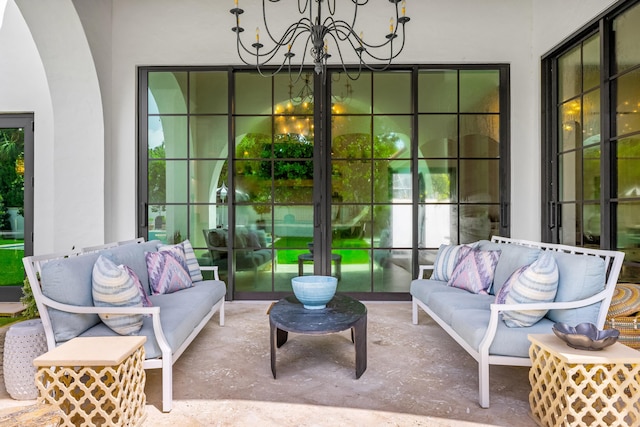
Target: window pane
350, 222
591, 118
209, 136
437, 135
628, 157
172, 187
628, 103
479, 91
209, 92
293, 97
628, 226
475, 223
570, 74
157, 218
571, 125
167, 92
627, 34
479, 136
438, 91
392, 181
392, 136
253, 94
293, 181
569, 228
205, 180
392, 92
381, 226
251, 135
437, 180
359, 102
351, 181
354, 144
569, 173
591, 218
591, 63
436, 225
591, 165
171, 132
253, 178
479, 181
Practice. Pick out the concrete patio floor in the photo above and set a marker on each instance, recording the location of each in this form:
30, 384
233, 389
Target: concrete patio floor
416, 376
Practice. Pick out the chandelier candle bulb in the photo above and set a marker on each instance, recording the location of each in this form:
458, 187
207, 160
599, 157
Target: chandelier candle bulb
258, 34
391, 25
404, 4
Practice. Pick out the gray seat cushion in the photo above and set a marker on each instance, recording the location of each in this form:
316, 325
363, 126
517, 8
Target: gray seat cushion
472, 324
180, 313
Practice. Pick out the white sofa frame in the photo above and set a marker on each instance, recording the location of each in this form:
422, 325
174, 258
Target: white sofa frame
613, 264
33, 266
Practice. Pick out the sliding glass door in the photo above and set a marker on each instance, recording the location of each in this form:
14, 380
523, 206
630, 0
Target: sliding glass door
274, 177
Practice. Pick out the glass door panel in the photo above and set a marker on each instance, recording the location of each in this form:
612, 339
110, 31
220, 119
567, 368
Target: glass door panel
12, 208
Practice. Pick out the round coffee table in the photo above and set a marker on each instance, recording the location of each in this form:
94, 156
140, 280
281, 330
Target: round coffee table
340, 314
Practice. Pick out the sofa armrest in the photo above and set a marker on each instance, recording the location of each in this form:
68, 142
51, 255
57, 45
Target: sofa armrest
82, 309
496, 309
213, 268
555, 305
422, 270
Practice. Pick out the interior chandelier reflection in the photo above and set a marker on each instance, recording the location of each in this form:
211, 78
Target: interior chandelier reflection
315, 33
294, 120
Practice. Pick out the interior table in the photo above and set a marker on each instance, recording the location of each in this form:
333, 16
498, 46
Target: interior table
340, 314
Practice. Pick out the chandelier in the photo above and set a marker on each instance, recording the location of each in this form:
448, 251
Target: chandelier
315, 31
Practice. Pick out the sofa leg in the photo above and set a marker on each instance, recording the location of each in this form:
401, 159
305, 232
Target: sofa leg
221, 312
483, 379
415, 311
167, 387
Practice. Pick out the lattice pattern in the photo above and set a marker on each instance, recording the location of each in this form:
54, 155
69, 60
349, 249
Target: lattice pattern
97, 395
581, 395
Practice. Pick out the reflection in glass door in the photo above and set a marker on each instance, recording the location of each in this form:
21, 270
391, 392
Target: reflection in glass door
271, 178
16, 137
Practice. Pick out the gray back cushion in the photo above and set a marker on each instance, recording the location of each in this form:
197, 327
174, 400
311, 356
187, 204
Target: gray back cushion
512, 258
68, 280
132, 255
580, 277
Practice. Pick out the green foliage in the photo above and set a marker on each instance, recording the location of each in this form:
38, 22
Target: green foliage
11, 265
31, 310
157, 175
11, 182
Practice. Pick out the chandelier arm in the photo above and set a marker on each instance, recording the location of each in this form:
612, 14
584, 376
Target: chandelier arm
342, 63
302, 10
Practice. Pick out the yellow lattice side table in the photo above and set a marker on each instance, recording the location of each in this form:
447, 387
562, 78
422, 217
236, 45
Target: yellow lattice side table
581, 388
96, 381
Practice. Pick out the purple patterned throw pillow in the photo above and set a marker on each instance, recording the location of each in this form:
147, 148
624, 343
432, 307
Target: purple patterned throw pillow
146, 302
475, 271
166, 273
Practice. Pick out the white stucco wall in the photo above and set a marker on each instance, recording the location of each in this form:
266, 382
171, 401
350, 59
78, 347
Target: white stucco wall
24, 88
99, 159
50, 72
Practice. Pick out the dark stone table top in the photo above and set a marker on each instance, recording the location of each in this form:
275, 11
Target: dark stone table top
340, 314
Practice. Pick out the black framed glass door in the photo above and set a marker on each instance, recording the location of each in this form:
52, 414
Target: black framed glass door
271, 178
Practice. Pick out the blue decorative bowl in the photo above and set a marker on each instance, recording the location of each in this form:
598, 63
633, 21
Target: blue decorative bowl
314, 292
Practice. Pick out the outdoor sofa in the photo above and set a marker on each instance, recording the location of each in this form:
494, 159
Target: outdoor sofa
63, 289
493, 326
